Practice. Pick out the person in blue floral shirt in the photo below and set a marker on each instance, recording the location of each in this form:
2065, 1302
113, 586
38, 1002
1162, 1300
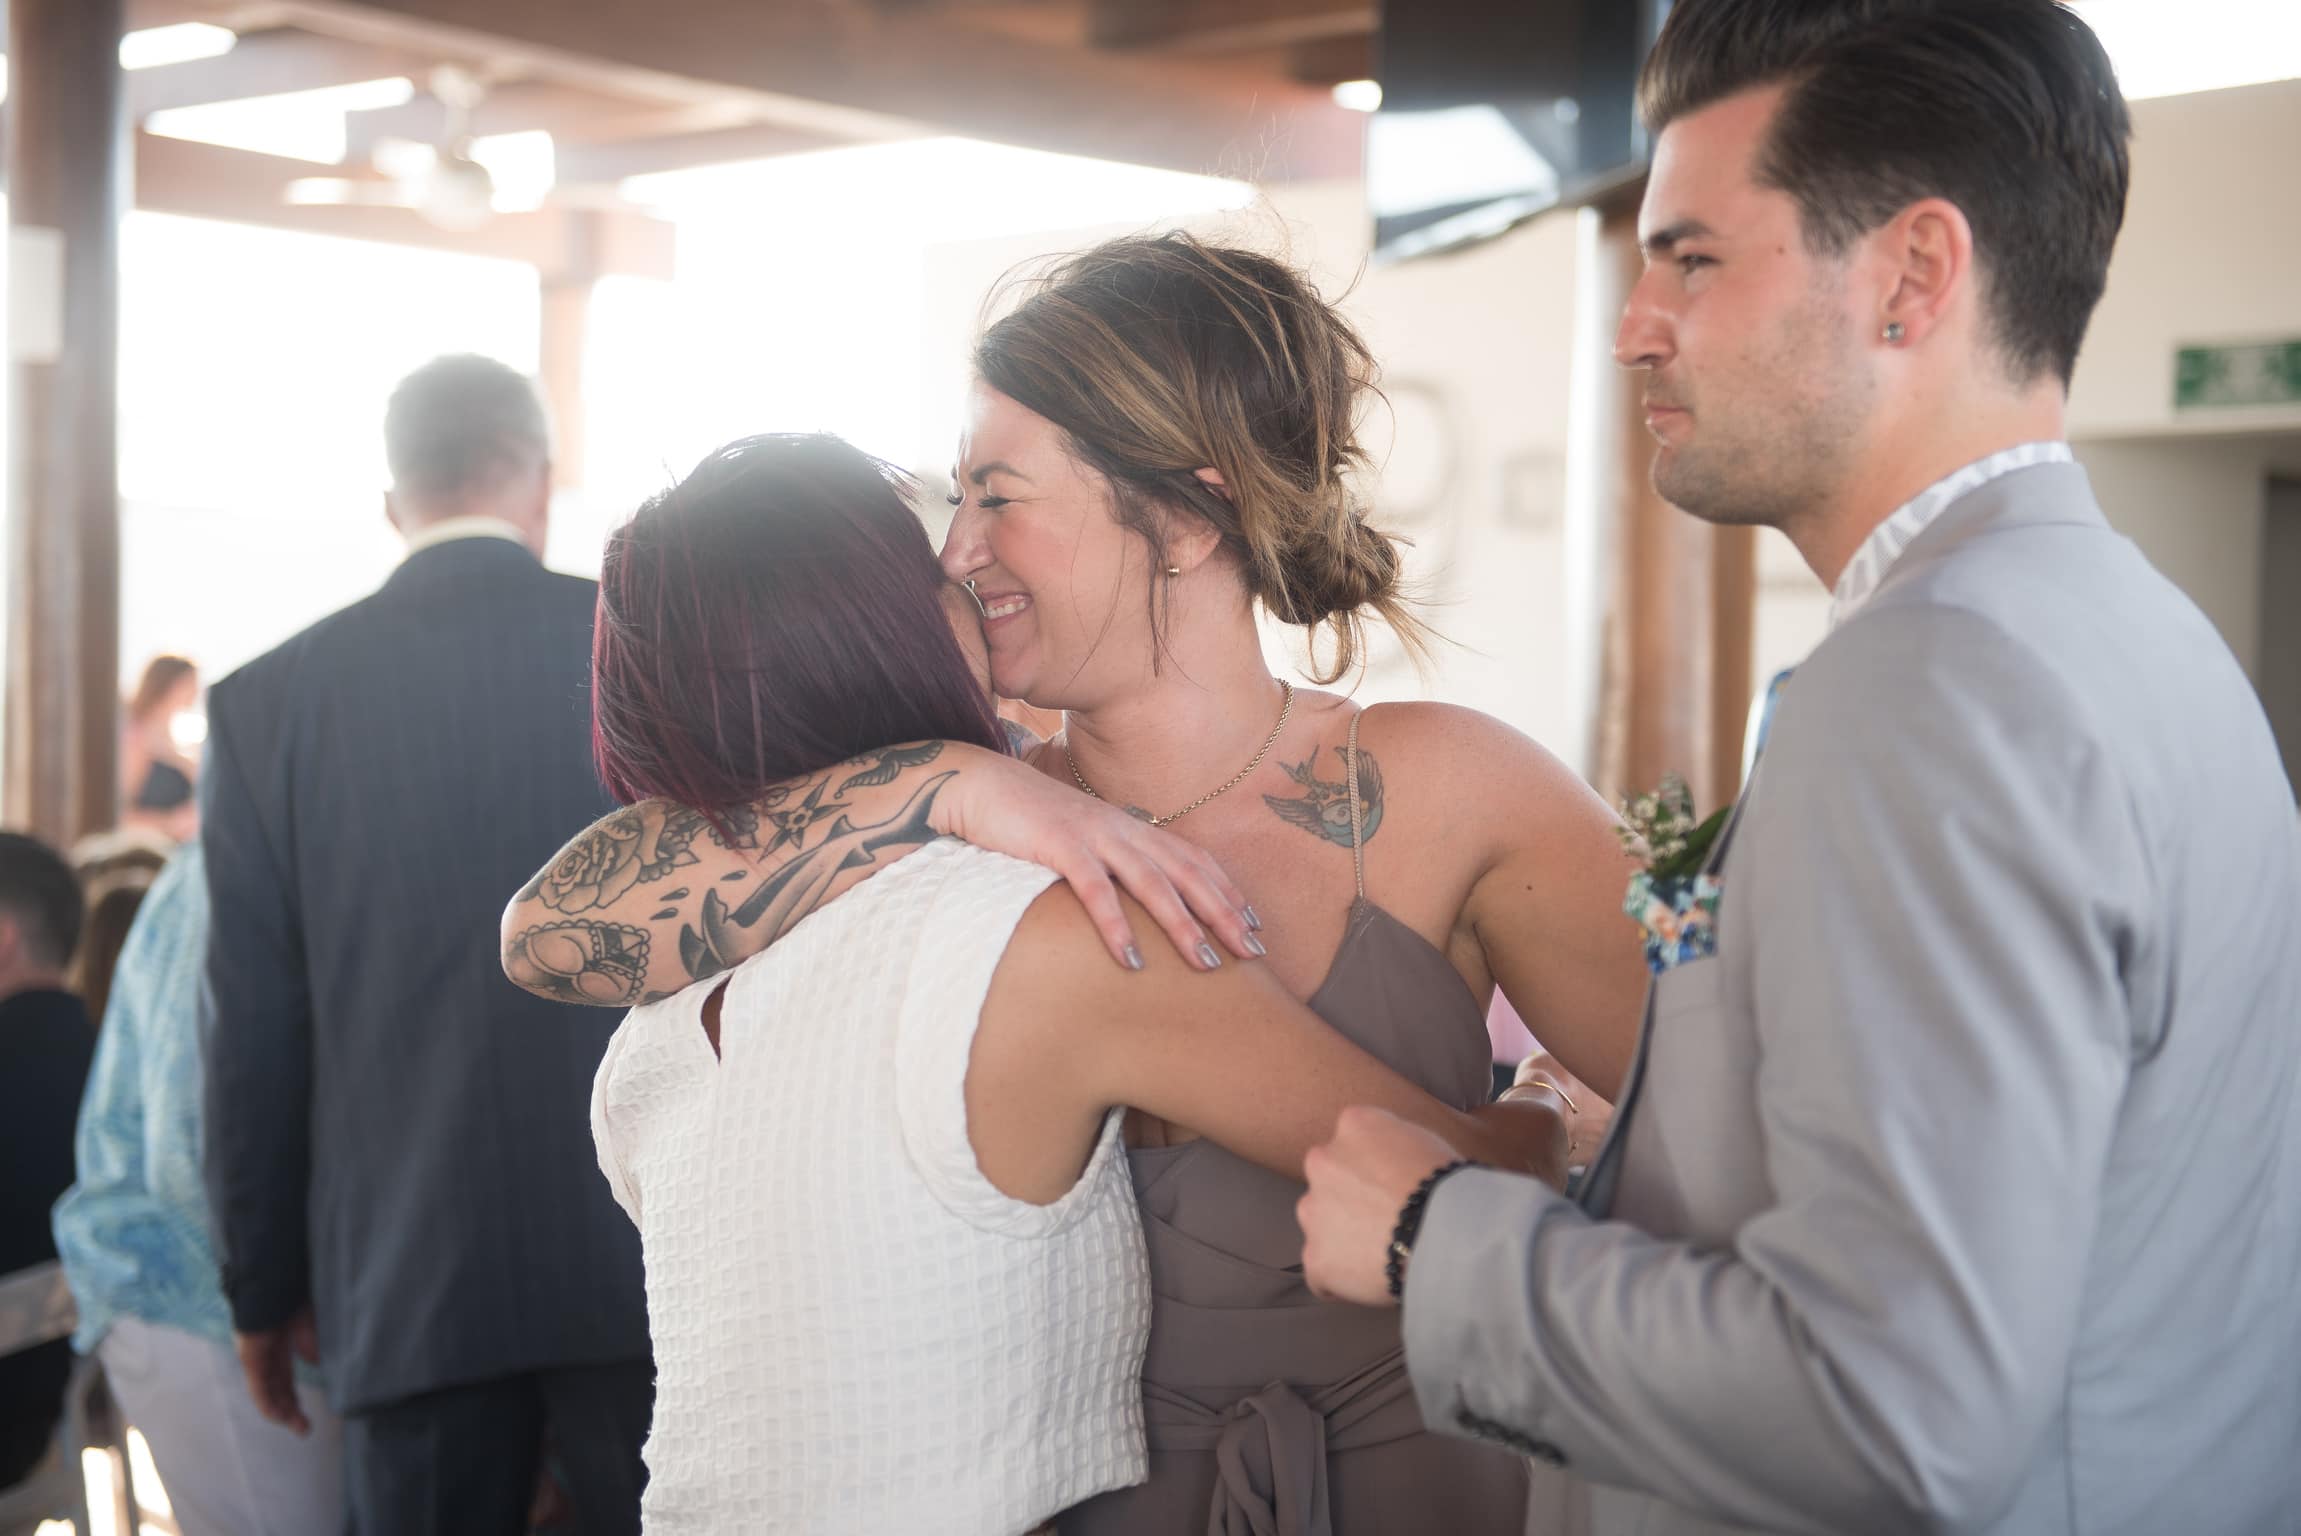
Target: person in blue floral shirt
133, 1235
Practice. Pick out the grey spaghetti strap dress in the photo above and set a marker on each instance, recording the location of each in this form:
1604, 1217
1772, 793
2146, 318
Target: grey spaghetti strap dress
1270, 1412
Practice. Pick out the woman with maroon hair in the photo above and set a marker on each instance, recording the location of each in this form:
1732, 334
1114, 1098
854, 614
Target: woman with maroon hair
895, 1273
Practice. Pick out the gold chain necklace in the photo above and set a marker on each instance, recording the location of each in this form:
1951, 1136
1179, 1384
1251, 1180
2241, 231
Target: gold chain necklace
1285, 708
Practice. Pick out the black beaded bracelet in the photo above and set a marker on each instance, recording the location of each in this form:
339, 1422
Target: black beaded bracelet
1410, 1227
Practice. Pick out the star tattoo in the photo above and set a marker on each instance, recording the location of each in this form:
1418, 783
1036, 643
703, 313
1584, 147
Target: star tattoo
792, 826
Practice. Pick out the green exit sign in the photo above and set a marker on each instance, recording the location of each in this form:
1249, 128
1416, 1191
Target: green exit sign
2262, 373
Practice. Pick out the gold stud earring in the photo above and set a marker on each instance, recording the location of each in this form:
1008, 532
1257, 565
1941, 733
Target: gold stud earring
1174, 570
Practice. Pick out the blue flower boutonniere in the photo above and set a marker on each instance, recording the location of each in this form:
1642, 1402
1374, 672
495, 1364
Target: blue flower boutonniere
1670, 898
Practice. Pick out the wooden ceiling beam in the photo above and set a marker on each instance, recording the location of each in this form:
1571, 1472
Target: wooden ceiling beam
612, 160
571, 116
1217, 26
849, 71
266, 64
204, 181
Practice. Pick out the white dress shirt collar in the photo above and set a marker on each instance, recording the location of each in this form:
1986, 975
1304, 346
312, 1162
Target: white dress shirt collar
448, 529
1886, 542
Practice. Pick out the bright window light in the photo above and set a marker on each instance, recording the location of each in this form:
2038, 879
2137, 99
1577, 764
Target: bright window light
523, 166
300, 125
180, 44
1359, 95
825, 291
150, 1496
2162, 49
934, 189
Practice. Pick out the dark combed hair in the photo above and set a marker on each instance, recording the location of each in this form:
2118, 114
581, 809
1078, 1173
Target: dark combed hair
2007, 108
1161, 355
777, 611
39, 890
460, 424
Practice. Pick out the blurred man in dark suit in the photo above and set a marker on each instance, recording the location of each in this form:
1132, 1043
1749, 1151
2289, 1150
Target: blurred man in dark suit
398, 1148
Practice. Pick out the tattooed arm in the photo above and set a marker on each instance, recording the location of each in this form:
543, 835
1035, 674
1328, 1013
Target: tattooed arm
654, 897
715, 895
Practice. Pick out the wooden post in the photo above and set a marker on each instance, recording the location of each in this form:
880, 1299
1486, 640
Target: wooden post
1674, 676
565, 294
68, 185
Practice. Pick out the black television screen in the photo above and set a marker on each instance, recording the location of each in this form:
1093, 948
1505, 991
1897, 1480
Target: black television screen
1494, 110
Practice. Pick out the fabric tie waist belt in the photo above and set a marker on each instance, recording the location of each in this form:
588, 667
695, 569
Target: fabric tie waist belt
1270, 1447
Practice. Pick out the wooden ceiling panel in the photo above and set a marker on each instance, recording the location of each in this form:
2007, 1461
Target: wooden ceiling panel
1221, 25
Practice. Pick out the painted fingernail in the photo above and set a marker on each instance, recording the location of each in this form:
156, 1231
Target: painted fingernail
1206, 955
1254, 947
1253, 919
1134, 958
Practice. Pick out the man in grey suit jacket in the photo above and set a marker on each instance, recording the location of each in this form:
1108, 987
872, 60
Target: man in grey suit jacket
398, 1141
1961, 1188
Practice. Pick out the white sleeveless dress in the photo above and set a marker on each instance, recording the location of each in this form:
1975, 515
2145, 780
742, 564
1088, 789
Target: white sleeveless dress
854, 1331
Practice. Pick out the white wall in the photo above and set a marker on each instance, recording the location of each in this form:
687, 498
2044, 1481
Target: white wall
2207, 255
2196, 507
1476, 349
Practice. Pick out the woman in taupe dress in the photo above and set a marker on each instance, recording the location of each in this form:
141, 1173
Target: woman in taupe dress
1162, 438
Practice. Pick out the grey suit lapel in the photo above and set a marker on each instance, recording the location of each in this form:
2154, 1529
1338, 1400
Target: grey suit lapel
1596, 1191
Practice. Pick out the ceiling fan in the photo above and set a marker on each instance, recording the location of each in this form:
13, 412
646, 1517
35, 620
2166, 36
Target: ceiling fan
441, 180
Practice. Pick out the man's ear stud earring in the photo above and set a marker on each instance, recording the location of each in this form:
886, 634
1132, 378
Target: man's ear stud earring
1894, 333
